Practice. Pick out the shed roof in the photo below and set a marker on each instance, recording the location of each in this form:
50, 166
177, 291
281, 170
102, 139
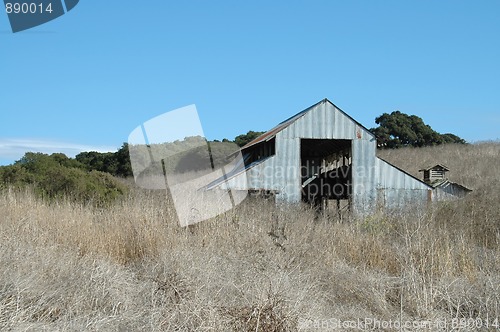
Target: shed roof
444, 183
238, 169
438, 166
272, 133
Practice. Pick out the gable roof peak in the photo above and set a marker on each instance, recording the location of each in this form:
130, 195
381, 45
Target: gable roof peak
282, 125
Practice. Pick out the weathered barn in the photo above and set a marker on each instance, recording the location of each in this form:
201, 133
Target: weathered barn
444, 189
324, 154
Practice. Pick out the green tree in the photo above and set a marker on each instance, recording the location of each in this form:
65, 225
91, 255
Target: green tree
399, 129
115, 163
244, 139
57, 176
124, 168
451, 138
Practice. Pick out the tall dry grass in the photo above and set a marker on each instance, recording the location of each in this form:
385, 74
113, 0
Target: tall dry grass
69, 267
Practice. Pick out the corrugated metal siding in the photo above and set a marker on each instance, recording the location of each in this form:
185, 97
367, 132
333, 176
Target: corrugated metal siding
398, 188
280, 173
288, 165
261, 176
397, 198
325, 121
449, 191
389, 177
441, 195
363, 176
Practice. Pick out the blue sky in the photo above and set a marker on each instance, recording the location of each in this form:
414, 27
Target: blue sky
87, 79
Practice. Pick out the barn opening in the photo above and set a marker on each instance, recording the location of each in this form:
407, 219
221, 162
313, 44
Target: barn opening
326, 172
260, 151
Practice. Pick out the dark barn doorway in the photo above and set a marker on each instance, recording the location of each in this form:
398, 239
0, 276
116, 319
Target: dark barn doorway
326, 172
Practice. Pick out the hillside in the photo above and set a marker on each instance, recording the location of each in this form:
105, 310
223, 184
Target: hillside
472, 165
69, 266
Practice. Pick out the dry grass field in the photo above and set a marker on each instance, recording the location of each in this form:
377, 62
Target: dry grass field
130, 267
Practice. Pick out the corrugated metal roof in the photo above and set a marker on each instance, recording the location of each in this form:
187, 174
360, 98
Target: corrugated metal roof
272, 133
445, 182
239, 168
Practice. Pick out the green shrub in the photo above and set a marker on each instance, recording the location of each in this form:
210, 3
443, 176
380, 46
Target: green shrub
57, 176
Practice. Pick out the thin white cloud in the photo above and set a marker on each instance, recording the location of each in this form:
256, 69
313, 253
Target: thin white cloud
12, 149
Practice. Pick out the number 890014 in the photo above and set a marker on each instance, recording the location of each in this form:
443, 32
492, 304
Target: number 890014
27, 8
